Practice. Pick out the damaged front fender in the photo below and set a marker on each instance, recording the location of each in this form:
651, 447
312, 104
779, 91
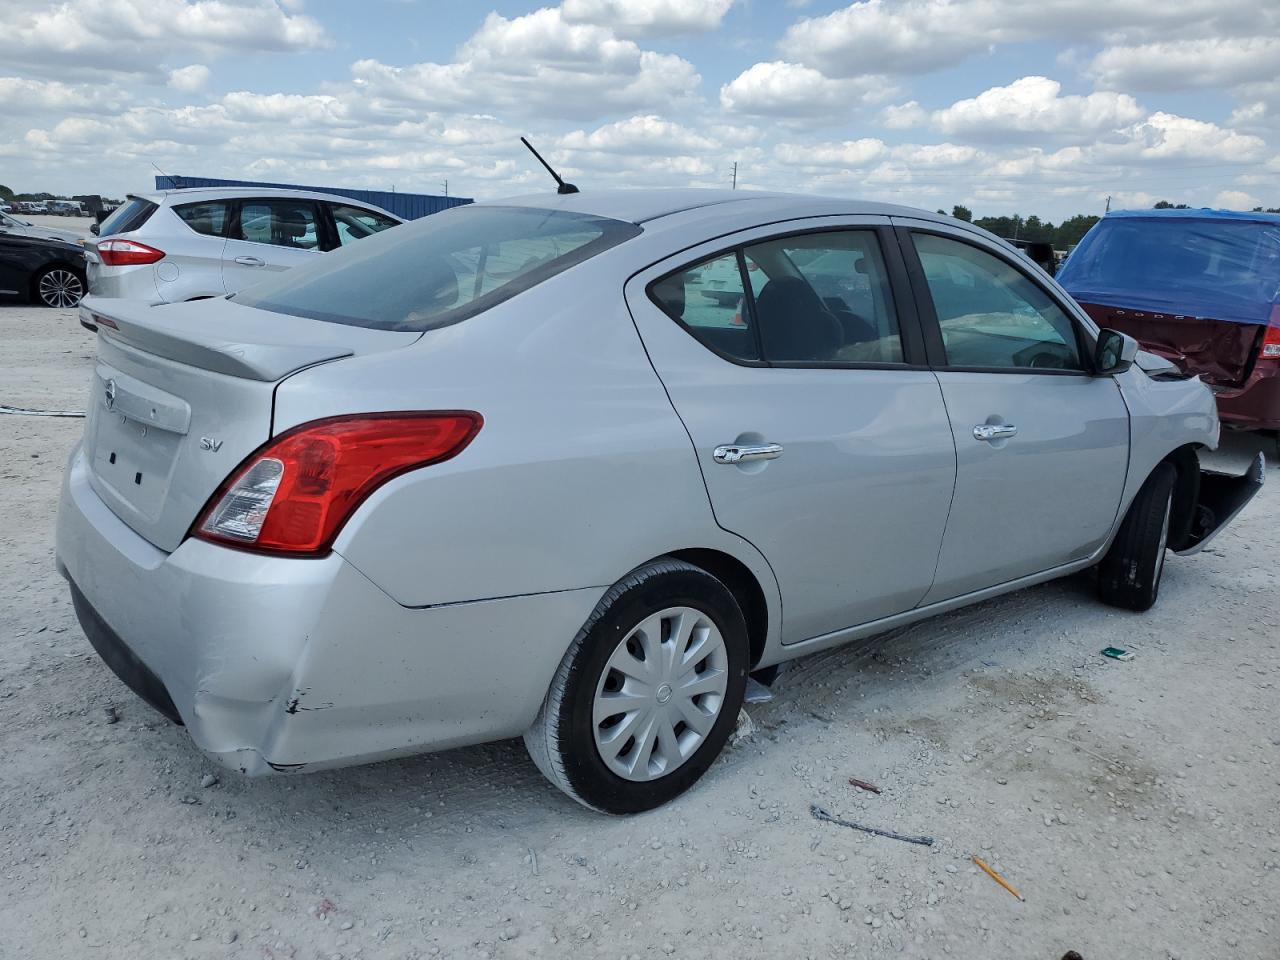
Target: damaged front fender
1222, 496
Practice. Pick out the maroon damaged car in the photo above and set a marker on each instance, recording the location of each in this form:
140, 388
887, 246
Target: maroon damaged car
1201, 288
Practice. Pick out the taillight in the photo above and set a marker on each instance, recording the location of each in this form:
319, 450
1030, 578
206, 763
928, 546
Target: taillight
127, 253
1271, 340
295, 493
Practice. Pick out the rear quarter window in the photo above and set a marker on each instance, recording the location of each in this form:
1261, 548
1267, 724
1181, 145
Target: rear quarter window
209, 218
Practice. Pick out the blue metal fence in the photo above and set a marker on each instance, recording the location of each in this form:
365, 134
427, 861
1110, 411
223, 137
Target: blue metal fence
410, 206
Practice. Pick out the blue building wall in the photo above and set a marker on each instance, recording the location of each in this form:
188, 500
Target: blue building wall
410, 206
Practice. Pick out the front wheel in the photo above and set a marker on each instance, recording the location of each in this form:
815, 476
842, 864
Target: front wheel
59, 286
648, 692
1129, 575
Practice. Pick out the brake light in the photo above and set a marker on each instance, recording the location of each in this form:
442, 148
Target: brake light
294, 495
127, 253
1271, 340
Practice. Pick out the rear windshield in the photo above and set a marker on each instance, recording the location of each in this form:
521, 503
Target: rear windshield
130, 215
442, 269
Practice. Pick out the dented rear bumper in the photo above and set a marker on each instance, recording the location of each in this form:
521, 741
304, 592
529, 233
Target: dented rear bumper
282, 664
1222, 496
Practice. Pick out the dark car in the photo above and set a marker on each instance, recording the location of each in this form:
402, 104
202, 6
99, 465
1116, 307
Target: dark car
41, 270
1198, 287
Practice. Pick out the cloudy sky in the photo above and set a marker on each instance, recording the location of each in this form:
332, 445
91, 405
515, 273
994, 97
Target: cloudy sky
1007, 106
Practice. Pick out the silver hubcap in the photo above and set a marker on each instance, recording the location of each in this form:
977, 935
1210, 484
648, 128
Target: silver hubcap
660, 694
61, 288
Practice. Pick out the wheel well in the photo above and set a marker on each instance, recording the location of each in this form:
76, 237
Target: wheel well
742, 583
1186, 494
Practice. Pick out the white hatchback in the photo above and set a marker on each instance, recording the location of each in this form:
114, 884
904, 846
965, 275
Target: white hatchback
176, 245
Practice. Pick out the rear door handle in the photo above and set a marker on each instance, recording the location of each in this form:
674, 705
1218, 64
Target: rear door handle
251, 262
745, 452
994, 431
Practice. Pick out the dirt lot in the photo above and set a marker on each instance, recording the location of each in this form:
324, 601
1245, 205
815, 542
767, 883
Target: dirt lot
1133, 804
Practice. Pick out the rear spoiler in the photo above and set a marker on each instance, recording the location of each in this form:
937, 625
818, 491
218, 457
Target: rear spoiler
1222, 496
254, 345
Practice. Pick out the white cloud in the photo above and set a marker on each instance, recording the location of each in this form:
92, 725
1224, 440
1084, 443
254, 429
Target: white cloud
648, 18
921, 36
1035, 106
135, 36
846, 154
644, 134
789, 90
904, 116
1206, 62
20, 95
1164, 136
537, 64
1236, 200
190, 79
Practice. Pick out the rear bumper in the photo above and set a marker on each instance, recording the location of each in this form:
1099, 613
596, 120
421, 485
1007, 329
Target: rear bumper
286, 664
128, 283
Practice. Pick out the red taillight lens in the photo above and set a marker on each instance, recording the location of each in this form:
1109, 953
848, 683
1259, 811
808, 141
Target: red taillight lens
1271, 340
127, 253
294, 494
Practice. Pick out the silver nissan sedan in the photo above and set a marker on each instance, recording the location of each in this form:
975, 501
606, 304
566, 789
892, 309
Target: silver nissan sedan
573, 467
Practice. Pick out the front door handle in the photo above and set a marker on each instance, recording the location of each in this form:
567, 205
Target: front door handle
745, 452
251, 262
994, 431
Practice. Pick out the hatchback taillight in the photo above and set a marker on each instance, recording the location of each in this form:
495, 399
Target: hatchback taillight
294, 495
1271, 339
127, 253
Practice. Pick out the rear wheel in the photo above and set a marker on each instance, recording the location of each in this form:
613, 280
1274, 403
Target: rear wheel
1129, 575
648, 692
59, 286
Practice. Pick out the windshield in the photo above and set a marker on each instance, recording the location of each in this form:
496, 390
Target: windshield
8, 221
439, 270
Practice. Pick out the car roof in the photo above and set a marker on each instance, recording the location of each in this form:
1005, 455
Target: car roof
235, 193
641, 206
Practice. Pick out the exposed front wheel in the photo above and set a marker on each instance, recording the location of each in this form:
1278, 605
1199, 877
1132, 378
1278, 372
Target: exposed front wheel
59, 287
648, 692
1129, 575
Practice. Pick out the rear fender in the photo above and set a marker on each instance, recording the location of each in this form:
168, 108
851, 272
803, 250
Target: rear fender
1221, 497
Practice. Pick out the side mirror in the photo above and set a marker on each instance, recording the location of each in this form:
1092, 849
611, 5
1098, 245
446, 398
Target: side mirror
94, 228
1114, 353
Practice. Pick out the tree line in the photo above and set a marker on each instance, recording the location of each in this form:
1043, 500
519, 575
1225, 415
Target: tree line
1064, 235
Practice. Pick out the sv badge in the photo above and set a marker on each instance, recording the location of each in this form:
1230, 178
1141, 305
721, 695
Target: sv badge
213, 446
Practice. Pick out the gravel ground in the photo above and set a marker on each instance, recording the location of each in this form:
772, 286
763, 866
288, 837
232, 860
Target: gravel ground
1134, 804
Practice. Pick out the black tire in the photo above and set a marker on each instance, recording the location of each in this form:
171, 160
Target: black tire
1129, 575
562, 740
59, 286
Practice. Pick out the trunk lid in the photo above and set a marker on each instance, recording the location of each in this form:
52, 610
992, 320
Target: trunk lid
182, 393
1222, 352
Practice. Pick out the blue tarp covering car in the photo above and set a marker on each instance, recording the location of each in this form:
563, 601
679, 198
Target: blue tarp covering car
1201, 263
1198, 287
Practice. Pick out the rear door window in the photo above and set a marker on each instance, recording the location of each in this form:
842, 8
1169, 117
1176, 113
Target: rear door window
129, 216
279, 222
826, 299
356, 223
990, 314
209, 218
815, 298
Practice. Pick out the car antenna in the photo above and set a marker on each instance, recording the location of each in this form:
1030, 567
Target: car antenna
561, 187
